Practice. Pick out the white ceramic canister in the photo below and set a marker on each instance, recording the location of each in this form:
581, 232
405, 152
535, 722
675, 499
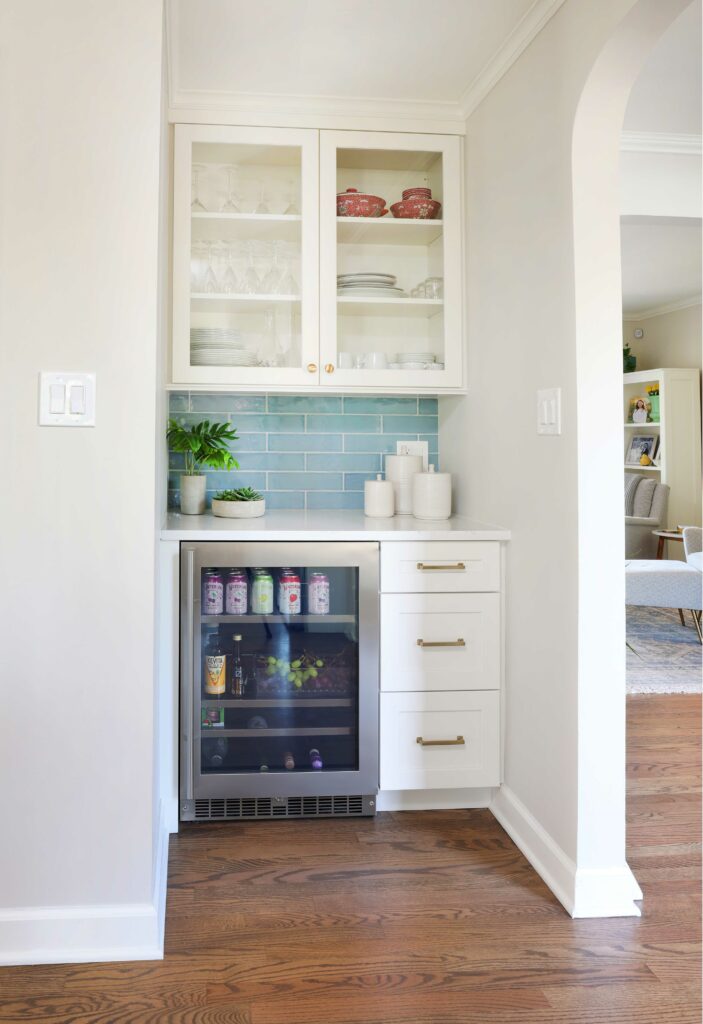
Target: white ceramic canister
379, 499
400, 470
432, 495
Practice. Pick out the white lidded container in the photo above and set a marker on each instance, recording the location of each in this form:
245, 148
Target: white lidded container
432, 495
379, 499
400, 470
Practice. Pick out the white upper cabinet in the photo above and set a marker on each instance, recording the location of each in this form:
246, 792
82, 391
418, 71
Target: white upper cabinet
390, 286
276, 287
245, 262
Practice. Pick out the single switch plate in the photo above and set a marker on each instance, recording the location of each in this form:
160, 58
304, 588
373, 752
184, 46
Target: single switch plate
414, 448
67, 399
549, 411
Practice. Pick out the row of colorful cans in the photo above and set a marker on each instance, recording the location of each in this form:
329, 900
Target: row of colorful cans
229, 594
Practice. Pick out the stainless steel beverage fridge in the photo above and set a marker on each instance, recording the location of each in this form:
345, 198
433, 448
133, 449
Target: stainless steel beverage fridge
279, 680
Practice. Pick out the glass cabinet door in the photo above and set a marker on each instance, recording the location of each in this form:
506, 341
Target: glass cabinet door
245, 256
391, 276
280, 687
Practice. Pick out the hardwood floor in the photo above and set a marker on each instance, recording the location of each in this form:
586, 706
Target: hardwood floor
422, 918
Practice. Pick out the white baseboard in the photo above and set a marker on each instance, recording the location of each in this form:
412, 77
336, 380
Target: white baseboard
603, 892
432, 799
89, 934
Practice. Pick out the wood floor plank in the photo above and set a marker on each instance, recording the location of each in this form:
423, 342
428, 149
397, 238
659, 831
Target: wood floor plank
410, 918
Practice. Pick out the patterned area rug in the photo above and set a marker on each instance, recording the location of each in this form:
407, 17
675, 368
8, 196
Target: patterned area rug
665, 656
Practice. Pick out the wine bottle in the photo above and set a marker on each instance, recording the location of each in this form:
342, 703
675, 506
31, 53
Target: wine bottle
215, 751
315, 759
288, 761
238, 679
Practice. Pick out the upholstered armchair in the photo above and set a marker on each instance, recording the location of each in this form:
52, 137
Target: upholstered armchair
646, 504
692, 545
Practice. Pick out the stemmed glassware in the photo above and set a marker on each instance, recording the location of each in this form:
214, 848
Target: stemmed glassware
230, 281
262, 206
230, 204
292, 209
210, 284
250, 279
196, 205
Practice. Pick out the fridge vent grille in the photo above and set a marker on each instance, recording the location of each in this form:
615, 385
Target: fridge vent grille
278, 807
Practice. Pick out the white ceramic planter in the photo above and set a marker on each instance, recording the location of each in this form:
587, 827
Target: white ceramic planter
238, 509
193, 494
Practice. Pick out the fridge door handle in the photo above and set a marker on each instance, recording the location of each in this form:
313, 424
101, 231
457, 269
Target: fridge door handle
190, 681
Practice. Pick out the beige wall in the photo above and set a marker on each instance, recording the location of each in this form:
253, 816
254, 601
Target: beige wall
534, 321
670, 339
79, 166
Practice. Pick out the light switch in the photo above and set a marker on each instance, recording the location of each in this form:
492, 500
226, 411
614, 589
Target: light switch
57, 398
549, 411
77, 399
67, 399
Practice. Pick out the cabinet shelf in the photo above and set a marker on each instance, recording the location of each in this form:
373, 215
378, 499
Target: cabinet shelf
244, 619
643, 469
641, 426
252, 734
230, 227
276, 702
388, 231
204, 302
424, 308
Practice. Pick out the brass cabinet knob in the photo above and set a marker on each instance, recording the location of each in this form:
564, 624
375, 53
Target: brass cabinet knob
329, 368
312, 367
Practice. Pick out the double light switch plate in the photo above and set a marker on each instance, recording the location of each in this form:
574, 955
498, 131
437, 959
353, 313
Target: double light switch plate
67, 399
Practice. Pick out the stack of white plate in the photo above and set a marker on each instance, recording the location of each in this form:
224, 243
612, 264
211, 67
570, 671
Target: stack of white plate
416, 361
219, 346
369, 286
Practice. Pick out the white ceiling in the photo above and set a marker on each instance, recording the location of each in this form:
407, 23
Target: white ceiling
344, 48
661, 262
667, 95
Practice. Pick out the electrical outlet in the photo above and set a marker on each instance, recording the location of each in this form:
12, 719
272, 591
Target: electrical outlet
414, 448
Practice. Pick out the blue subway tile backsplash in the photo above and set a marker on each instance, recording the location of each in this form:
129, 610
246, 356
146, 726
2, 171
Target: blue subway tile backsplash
306, 451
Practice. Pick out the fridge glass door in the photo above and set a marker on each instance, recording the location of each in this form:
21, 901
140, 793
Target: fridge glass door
276, 665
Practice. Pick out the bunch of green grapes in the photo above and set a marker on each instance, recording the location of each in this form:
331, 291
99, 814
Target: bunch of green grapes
296, 672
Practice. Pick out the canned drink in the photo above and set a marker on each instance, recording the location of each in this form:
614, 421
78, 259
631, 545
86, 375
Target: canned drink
319, 594
213, 593
236, 593
289, 594
262, 593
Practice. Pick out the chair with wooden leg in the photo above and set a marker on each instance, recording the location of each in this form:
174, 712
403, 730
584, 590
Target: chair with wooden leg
665, 583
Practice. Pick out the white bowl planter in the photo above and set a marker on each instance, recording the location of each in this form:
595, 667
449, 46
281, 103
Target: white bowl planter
238, 509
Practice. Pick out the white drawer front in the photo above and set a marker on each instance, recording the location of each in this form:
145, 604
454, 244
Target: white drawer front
469, 623
471, 718
439, 567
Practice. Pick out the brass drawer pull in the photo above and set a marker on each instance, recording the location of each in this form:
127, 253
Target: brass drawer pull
457, 566
442, 643
458, 742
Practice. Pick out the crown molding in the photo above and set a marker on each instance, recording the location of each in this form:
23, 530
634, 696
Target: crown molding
670, 307
530, 25
217, 107
661, 142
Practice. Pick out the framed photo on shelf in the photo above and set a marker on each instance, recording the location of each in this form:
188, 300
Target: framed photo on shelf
642, 444
640, 410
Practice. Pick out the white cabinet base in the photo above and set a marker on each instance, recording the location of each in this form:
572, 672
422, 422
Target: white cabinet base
433, 799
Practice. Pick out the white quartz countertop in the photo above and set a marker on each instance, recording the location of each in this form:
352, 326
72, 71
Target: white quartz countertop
327, 525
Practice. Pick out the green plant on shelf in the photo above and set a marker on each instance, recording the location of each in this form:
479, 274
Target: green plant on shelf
203, 444
239, 494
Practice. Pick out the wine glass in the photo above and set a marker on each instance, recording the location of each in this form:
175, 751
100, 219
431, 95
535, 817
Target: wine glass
230, 281
210, 283
272, 279
196, 206
230, 205
250, 280
262, 207
293, 209
287, 284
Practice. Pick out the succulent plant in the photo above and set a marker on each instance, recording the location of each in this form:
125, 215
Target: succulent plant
240, 494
